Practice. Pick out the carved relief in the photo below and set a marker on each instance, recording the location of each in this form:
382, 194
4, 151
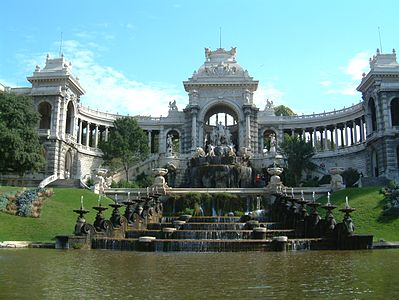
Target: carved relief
220, 69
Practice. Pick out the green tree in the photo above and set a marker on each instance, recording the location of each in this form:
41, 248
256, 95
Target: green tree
298, 153
20, 149
126, 143
282, 110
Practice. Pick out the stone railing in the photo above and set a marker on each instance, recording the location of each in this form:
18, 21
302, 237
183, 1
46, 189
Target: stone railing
48, 180
340, 112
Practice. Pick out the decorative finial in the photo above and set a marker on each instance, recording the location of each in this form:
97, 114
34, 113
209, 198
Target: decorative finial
393, 51
37, 69
378, 51
48, 56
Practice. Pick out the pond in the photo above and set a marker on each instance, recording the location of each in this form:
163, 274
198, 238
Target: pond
91, 274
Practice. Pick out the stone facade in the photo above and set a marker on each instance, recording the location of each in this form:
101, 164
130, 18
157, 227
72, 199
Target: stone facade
364, 136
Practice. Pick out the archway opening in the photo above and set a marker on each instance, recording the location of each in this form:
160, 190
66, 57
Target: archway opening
68, 164
45, 115
395, 112
221, 127
173, 141
70, 118
269, 141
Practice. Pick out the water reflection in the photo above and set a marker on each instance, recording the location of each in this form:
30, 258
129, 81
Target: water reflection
50, 274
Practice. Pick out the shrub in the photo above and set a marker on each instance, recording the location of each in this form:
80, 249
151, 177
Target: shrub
144, 180
391, 207
350, 177
311, 182
326, 179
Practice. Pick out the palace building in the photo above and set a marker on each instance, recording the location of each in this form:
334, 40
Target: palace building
364, 136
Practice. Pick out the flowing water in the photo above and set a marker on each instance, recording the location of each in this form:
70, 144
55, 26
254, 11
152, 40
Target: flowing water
99, 274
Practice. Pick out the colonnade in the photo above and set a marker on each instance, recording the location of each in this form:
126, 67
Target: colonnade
333, 136
90, 134
328, 137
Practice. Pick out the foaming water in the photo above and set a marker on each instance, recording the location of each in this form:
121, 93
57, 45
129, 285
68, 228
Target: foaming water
51, 274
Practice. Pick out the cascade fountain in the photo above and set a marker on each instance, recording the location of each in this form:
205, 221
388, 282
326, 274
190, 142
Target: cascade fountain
284, 224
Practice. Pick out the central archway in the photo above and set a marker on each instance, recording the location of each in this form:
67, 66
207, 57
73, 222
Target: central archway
221, 114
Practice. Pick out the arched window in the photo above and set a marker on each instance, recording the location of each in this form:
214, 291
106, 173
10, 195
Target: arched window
45, 115
69, 118
68, 164
395, 112
373, 114
173, 141
269, 141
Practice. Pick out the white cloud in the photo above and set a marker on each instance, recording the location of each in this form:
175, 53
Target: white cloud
269, 91
357, 65
326, 83
344, 89
109, 90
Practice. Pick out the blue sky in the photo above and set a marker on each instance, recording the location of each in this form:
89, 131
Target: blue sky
132, 56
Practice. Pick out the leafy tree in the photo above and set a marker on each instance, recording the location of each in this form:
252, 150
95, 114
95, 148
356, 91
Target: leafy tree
298, 153
126, 143
20, 149
282, 110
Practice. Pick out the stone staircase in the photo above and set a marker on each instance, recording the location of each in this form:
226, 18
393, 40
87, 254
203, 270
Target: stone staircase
65, 183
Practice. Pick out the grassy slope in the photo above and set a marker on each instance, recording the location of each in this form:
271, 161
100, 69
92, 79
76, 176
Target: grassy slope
367, 218
57, 217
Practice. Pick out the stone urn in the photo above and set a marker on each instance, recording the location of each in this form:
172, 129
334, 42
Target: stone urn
275, 180
159, 180
337, 182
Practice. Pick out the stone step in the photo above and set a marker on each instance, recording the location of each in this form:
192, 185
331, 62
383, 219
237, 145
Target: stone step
63, 183
208, 234
172, 245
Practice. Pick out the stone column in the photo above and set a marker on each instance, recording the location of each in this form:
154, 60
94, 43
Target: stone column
292, 132
346, 135
106, 133
354, 132
149, 139
80, 132
194, 129
87, 134
248, 129
325, 143
314, 136
341, 134
361, 130
336, 136
96, 137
